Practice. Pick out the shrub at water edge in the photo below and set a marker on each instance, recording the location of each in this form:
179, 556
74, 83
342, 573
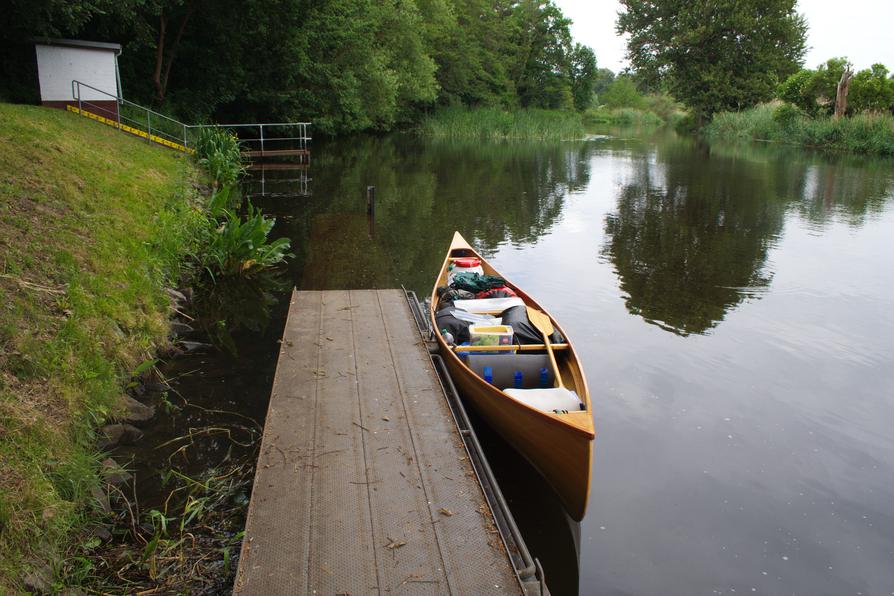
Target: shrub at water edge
219, 152
241, 247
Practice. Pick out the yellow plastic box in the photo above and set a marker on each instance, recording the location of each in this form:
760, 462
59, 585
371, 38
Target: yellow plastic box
491, 335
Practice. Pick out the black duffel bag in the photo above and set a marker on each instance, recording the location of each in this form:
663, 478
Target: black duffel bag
444, 319
523, 332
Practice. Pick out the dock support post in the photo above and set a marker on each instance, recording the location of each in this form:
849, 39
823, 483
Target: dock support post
371, 201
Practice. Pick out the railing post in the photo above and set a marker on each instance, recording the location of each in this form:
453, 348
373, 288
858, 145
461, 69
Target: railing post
148, 127
261, 126
185, 142
79, 97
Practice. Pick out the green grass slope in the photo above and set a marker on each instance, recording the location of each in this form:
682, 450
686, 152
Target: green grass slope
93, 225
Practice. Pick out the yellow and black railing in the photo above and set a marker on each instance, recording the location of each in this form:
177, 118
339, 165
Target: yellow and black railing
152, 138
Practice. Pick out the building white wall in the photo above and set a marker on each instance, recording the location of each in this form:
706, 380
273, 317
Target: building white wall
57, 66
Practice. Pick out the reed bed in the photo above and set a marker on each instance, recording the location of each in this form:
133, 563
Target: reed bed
497, 124
866, 134
623, 117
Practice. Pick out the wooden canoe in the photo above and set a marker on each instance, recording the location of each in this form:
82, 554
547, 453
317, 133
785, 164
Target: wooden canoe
560, 446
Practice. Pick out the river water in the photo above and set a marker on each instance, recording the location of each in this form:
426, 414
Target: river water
733, 308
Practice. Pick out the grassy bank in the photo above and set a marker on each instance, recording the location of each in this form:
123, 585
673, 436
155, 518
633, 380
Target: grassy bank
868, 134
93, 226
496, 124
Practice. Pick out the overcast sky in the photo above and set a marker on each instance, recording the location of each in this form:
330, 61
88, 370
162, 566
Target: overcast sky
858, 29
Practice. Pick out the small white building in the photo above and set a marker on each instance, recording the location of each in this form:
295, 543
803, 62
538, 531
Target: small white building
93, 63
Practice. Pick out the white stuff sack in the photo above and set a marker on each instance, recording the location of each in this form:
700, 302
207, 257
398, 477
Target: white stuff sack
476, 319
486, 305
547, 400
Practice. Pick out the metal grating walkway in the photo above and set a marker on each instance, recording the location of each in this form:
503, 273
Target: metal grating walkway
363, 484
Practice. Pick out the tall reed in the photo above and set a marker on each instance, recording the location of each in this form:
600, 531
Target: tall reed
623, 117
868, 133
494, 123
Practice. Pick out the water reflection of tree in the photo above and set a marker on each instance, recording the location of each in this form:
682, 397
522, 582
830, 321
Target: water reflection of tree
819, 187
689, 242
491, 192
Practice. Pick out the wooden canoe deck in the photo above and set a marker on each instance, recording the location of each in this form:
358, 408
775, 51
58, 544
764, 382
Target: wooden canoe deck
363, 485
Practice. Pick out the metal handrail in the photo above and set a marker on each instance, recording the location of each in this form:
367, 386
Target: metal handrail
303, 139
250, 124
76, 95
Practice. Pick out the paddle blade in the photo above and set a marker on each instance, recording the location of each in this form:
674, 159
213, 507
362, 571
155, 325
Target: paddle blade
541, 321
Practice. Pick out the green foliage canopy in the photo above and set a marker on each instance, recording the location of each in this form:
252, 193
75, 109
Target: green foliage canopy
872, 90
622, 93
346, 65
584, 75
714, 55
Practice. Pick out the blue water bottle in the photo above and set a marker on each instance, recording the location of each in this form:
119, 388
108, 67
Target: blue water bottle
489, 375
518, 379
544, 377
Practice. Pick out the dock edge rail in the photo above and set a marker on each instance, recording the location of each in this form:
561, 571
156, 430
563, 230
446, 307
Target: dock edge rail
527, 569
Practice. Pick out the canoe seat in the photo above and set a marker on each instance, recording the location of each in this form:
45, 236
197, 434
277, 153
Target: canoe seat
548, 400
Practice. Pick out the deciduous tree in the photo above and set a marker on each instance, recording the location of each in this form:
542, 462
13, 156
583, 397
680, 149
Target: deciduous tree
583, 76
714, 54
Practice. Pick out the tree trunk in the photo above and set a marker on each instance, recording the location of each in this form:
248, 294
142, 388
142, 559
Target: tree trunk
159, 57
844, 86
173, 48
165, 59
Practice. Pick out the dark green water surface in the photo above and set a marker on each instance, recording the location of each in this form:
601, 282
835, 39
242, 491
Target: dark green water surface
734, 311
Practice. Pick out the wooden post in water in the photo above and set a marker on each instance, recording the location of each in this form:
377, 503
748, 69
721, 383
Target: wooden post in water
371, 210
371, 201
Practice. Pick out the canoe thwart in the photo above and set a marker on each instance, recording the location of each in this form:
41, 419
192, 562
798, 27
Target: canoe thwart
521, 348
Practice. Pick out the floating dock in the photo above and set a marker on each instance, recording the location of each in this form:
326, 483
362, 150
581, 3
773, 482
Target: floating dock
364, 484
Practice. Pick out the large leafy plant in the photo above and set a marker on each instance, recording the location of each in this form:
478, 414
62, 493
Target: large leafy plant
240, 247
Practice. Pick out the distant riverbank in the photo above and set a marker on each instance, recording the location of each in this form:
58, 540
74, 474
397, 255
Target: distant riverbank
867, 134
529, 124
497, 124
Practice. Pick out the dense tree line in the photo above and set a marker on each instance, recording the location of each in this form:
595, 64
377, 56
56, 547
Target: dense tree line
347, 65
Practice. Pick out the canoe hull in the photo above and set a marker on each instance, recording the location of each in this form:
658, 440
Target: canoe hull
560, 447
562, 458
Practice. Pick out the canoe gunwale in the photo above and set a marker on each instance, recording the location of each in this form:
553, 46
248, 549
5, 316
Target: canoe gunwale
559, 446
565, 420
